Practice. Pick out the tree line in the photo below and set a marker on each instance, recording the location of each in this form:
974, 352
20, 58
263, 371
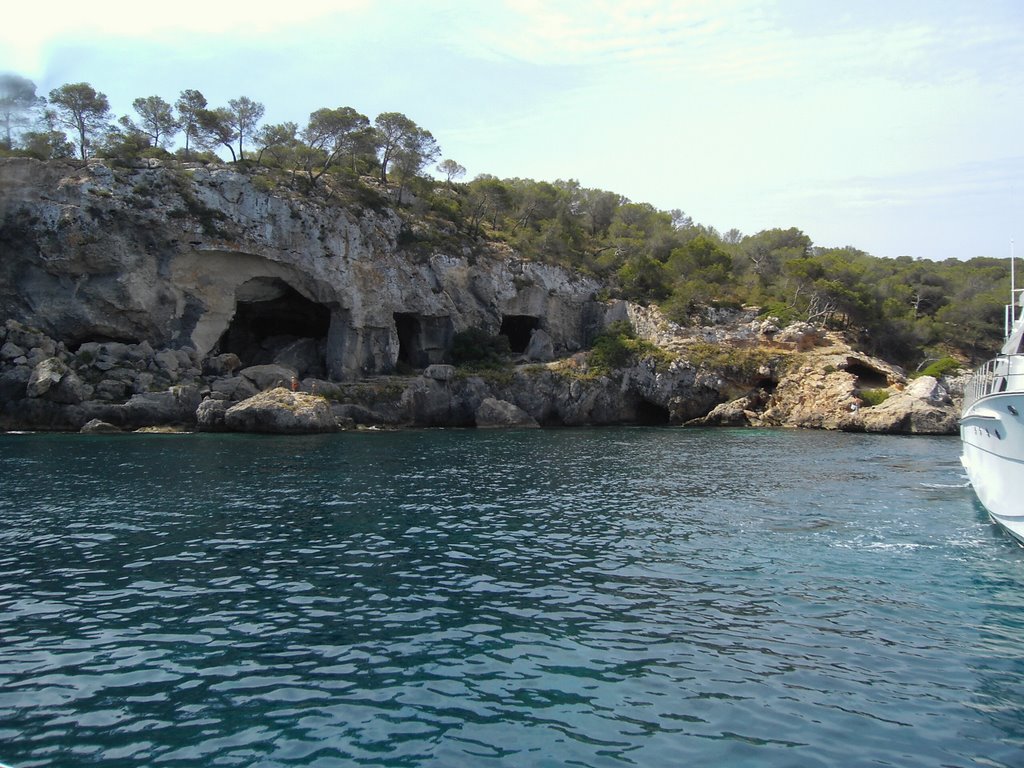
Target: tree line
75, 120
908, 310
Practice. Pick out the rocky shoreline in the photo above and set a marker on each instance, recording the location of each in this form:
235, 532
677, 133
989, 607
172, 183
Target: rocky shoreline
197, 297
806, 379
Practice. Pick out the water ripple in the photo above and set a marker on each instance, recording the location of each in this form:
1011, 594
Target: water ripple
591, 597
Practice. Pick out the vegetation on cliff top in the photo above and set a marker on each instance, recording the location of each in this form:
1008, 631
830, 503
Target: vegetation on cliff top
906, 310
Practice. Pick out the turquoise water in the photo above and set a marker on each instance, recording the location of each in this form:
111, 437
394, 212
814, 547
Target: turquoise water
614, 597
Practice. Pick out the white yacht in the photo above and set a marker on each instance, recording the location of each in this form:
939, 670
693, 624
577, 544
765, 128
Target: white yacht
992, 425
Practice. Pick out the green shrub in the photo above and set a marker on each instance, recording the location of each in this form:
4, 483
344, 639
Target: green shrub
785, 313
940, 368
874, 396
475, 348
264, 183
619, 346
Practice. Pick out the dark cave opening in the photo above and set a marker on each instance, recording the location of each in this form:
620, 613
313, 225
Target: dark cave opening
518, 329
422, 339
409, 330
274, 322
866, 376
650, 414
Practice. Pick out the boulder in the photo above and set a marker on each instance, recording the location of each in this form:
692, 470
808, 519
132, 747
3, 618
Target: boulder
501, 413
439, 372
10, 351
176, 405
168, 360
111, 390
13, 383
25, 337
235, 388
431, 403
736, 413
266, 377
541, 348
923, 408
221, 365
351, 413
52, 379
281, 411
803, 336
210, 415
929, 390
302, 356
141, 351
45, 375
99, 427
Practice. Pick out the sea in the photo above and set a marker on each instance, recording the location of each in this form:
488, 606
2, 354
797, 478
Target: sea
564, 597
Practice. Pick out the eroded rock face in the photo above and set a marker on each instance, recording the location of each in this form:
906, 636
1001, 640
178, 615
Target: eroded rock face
154, 296
202, 258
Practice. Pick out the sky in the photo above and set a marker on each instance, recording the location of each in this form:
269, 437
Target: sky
895, 126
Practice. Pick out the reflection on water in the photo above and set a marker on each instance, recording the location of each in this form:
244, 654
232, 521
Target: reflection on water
589, 597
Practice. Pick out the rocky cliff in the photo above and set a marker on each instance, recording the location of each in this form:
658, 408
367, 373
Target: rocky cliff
152, 295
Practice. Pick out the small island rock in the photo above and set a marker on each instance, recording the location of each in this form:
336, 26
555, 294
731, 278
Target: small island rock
501, 413
280, 411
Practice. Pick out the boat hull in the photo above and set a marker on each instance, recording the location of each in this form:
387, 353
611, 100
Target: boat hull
992, 437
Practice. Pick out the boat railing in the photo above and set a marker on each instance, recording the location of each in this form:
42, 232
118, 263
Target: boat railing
997, 375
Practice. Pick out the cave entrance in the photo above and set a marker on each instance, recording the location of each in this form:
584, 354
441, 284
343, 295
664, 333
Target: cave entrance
422, 339
518, 329
650, 414
407, 325
275, 323
866, 376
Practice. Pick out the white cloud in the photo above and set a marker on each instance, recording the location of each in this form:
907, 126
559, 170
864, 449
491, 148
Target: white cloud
26, 39
751, 113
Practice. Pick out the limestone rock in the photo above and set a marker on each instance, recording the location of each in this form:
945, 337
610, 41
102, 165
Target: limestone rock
45, 375
439, 372
235, 388
167, 359
929, 390
266, 377
13, 383
210, 415
541, 347
235, 256
10, 351
221, 365
923, 408
351, 413
176, 405
501, 413
281, 411
431, 403
111, 390
302, 356
736, 413
100, 427
803, 336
